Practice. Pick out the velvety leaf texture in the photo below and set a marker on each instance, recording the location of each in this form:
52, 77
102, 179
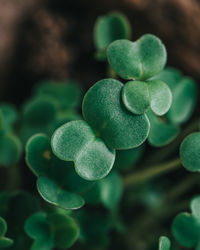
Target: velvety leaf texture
104, 111
138, 60
135, 96
160, 97
77, 142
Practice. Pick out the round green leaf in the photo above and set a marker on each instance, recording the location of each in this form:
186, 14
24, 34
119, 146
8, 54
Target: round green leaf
138, 60
184, 100
186, 230
76, 141
37, 228
10, 149
161, 132
135, 96
106, 114
164, 243
189, 152
38, 154
54, 194
67, 94
160, 97
109, 28
195, 206
65, 230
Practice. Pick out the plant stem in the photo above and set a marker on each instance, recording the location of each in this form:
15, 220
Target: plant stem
150, 172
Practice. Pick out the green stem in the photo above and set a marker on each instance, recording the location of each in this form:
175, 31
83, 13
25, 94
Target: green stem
150, 172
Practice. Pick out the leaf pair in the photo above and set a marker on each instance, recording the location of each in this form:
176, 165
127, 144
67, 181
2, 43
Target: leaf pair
4, 241
139, 60
108, 126
186, 226
51, 230
139, 96
57, 183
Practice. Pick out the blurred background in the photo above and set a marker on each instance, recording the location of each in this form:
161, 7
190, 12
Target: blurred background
54, 39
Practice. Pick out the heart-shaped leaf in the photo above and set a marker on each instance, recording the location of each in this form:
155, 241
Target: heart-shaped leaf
186, 229
106, 114
164, 243
10, 149
161, 132
55, 176
138, 60
4, 241
160, 97
76, 141
109, 28
65, 230
49, 230
37, 228
189, 152
135, 96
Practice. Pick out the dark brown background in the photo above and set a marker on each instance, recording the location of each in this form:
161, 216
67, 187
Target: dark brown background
54, 39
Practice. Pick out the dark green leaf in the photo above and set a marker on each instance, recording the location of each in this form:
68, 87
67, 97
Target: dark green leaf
186, 230
54, 194
104, 111
161, 132
189, 152
108, 29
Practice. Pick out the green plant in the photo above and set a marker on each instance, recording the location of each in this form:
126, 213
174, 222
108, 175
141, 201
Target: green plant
87, 161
